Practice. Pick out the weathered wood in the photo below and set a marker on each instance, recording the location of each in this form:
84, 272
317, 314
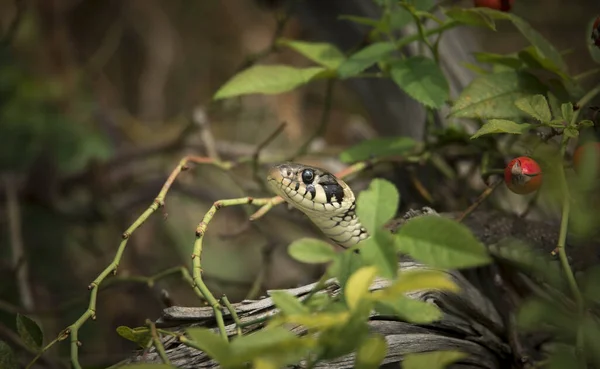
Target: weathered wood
476, 320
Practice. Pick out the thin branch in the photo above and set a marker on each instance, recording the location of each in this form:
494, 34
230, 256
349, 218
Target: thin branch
20, 265
257, 152
322, 123
484, 195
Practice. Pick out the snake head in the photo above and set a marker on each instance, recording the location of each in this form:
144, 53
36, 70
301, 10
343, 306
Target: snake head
309, 188
324, 198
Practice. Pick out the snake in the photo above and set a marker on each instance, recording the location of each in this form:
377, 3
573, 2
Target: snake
325, 199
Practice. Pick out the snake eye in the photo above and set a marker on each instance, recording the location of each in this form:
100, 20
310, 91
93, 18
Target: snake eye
307, 176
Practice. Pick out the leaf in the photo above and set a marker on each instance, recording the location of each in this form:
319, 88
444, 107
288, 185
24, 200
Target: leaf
360, 20
536, 106
565, 357
509, 61
493, 95
344, 265
268, 79
322, 53
409, 310
422, 79
411, 281
358, 285
533, 59
379, 147
501, 126
365, 58
140, 335
30, 332
432, 360
566, 110
377, 204
311, 251
543, 47
210, 342
379, 250
441, 242
535, 313
570, 132
371, 352
288, 303
8, 359
319, 321
471, 17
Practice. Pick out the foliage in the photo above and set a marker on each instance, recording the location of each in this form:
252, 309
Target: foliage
511, 103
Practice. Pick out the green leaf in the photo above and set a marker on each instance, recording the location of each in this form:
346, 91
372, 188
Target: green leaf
379, 147
8, 359
571, 132
210, 342
471, 17
543, 47
377, 204
533, 59
319, 321
30, 332
432, 360
422, 79
501, 126
139, 335
311, 251
360, 20
409, 310
535, 313
274, 343
411, 281
288, 303
494, 95
566, 110
268, 79
379, 250
358, 285
509, 61
371, 352
344, 265
322, 53
586, 123
536, 106
365, 58
441, 243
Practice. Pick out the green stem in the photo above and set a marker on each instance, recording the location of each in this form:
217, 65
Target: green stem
421, 29
233, 313
415, 37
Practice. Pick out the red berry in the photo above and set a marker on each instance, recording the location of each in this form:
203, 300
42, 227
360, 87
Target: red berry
587, 157
523, 175
596, 32
503, 5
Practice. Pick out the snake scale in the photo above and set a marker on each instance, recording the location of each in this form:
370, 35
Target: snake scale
327, 200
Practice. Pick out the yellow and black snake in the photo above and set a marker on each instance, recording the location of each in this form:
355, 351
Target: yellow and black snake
327, 201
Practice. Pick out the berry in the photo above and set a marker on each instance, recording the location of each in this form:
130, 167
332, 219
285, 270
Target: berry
596, 32
587, 156
503, 5
523, 175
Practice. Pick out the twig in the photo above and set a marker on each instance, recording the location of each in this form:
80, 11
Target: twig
19, 262
322, 123
201, 120
199, 286
156, 341
257, 152
484, 195
73, 329
233, 313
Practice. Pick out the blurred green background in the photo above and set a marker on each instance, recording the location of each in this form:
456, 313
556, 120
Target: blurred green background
99, 99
